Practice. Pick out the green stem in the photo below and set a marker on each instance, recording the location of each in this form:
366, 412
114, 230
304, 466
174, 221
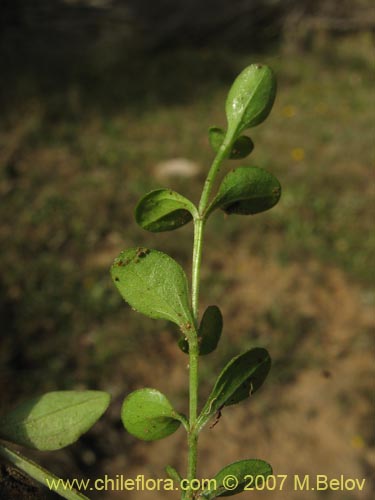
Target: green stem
194, 358
193, 412
197, 258
40, 474
199, 224
214, 170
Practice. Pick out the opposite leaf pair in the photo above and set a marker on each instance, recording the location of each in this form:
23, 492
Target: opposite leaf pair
147, 413
244, 190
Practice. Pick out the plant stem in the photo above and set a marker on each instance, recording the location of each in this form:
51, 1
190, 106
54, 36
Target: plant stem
199, 224
200, 220
40, 474
214, 170
194, 357
197, 258
193, 411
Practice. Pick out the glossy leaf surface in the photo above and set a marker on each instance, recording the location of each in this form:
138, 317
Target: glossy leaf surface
147, 414
54, 420
247, 191
250, 98
240, 378
163, 210
234, 478
153, 284
241, 148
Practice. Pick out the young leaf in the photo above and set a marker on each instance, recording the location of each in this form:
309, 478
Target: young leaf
240, 378
153, 284
54, 420
147, 414
209, 332
250, 98
241, 148
247, 191
164, 210
242, 473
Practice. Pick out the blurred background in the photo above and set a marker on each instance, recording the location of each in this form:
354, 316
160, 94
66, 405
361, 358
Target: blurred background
103, 100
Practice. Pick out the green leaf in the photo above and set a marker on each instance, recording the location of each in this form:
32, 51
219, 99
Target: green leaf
54, 420
216, 137
241, 148
38, 473
250, 98
234, 478
153, 284
240, 378
164, 210
173, 474
209, 332
247, 191
147, 414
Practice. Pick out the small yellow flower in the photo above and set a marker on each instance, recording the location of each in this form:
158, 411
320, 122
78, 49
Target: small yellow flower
298, 154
